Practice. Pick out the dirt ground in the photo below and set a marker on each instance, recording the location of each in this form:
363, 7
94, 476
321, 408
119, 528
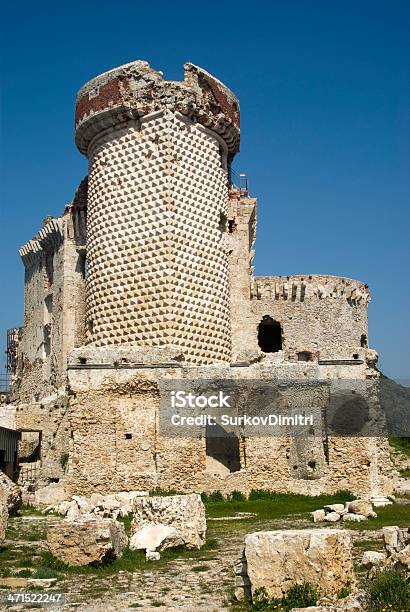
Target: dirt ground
199, 581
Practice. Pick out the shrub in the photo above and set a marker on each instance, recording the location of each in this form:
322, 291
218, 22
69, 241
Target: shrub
163, 492
216, 496
401, 444
237, 496
390, 590
45, 572
298, 596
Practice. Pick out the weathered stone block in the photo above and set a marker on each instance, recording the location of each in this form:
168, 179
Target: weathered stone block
354, 518
363, 507
372, 558
86, 541
318, 516
153, 537
51, 494
10, 492
276, 560
185, 513
332, 517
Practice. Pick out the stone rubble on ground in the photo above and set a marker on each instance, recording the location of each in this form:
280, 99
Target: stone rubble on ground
397, 550
276, 560
351, 603
51, 494
168, 522
355, 511
87, 540
106, 506
378, 501
371, 558
11, 492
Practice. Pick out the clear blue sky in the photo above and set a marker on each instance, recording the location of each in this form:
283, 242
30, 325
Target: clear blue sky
324, 92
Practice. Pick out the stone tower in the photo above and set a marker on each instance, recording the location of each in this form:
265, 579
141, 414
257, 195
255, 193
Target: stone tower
159, 154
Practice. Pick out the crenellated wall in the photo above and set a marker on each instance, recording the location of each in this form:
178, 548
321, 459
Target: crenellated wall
324, 315
54, 302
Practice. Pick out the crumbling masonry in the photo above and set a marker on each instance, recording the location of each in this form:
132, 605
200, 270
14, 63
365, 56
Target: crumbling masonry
147, 275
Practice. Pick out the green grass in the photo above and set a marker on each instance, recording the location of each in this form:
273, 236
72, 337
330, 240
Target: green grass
390, 591
130, 561
370, 544
389, 515
298, 596
126, 521
405, 473
45, 572
401, 444
269, 505
26, 510
24, 573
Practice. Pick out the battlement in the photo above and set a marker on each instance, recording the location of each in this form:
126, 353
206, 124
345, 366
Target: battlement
47, 239
134, 90
309, 287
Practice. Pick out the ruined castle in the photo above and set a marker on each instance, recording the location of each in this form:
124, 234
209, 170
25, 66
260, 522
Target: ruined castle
147, 276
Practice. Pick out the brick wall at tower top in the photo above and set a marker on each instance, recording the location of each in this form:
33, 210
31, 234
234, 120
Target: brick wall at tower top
157, 266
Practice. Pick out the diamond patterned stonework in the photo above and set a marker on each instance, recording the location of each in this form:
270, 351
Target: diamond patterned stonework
157, 266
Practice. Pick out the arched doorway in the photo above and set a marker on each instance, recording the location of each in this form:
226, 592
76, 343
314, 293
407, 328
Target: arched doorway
269, 335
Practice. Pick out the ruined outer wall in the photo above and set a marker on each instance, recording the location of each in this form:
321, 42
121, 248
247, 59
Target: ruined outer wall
326, 315
117, 444
158, 267
240, 239
53, 304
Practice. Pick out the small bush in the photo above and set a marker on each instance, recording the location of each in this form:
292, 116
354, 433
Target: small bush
344, 592
237, 496
126, 521
216, 496
24, 573
401, 444
298, 596
163, 492
390, 591
45, 572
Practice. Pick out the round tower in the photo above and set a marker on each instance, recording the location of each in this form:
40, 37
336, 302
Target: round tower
159, 154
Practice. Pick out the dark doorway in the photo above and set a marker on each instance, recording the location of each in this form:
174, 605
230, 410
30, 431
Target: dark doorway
269, 335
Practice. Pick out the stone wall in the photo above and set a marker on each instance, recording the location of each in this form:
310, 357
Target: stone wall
117, 443
54, 304
241, 232
322, 315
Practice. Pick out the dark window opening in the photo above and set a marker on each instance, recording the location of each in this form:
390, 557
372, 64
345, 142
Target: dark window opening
222, 222
82, 265
355, 355
269, 335
231, 226
47, 339
82, 360
224, 449
363, 341
49, 267
128, 436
